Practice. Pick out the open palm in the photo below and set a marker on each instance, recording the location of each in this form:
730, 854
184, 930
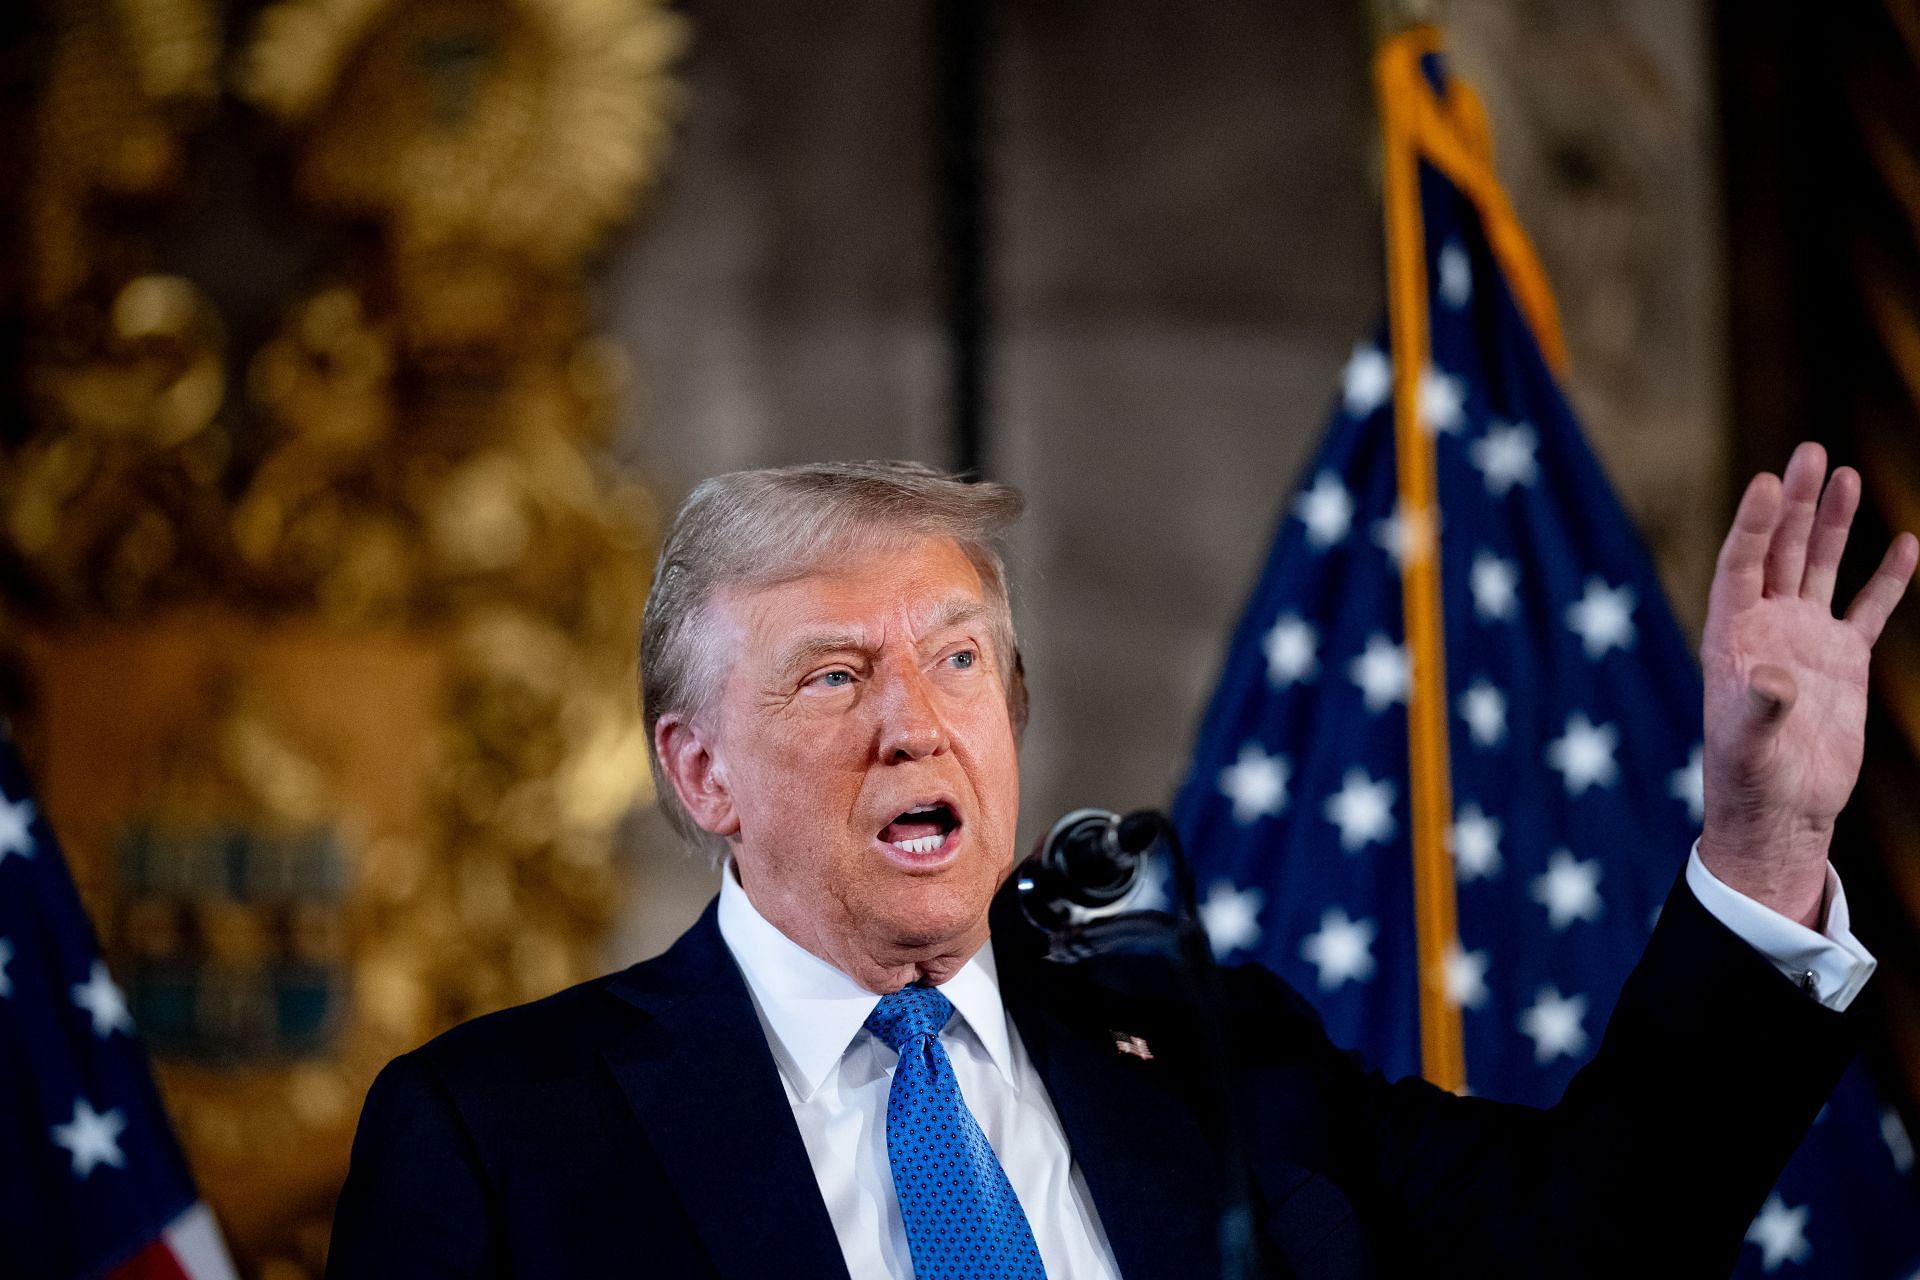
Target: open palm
1786, 682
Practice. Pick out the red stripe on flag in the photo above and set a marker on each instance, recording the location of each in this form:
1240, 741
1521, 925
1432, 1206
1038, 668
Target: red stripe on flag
155, 1262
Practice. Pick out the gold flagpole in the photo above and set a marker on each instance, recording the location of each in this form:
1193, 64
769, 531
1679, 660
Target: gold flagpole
1450, 134
1442, 1052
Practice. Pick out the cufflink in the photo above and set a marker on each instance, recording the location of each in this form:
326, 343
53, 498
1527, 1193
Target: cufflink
1810, 983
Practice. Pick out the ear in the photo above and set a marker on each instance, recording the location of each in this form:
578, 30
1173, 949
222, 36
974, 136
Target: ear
689, 759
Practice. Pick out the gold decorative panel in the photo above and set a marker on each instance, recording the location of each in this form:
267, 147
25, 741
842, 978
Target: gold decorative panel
321, 619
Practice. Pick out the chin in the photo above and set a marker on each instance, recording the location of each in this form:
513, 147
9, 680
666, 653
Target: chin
923, 916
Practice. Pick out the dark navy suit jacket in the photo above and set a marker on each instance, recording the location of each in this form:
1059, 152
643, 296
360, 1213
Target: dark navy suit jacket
636, 1126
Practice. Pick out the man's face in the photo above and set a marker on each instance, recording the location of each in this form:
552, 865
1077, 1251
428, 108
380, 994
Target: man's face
863, 742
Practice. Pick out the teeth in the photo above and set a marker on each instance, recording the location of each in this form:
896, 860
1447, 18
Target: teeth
924, 844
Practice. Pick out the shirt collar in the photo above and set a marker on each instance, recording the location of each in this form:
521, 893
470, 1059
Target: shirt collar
812, 1011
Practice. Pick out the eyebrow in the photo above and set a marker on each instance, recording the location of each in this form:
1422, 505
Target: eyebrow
819, 644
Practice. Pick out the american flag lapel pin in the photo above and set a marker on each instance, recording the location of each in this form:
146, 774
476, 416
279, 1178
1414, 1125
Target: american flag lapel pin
1132, 1046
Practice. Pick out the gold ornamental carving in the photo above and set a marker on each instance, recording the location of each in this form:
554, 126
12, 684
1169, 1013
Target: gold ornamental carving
319, 632
522, 129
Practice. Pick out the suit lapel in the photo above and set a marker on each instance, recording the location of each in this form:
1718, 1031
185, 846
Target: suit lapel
1153, 1176
700, 1078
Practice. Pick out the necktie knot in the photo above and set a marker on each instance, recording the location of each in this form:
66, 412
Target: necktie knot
908, 1014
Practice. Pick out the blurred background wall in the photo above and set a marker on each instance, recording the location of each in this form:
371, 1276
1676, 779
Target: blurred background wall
1183, 242
448, 413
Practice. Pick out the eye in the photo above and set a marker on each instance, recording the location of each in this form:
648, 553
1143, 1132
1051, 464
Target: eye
964, 659
838, 678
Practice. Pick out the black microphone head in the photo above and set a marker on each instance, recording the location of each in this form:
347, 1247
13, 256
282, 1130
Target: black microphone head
1083, 864
1096, 868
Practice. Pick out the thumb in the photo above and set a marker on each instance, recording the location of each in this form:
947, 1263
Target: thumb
1770, 696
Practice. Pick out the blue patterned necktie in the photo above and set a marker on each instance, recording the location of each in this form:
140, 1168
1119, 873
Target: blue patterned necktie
963, 1220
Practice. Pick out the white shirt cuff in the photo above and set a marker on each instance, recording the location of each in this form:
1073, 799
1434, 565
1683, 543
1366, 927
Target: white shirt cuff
1833, 962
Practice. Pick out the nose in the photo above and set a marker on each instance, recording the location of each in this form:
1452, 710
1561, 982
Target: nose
910, 723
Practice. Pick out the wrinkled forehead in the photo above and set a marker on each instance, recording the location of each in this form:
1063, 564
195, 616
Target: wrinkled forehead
862, 598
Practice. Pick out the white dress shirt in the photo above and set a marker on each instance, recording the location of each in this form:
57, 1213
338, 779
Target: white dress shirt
1831, 965
837, 1075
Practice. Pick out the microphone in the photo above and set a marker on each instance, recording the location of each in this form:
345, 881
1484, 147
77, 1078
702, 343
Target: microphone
1089, 860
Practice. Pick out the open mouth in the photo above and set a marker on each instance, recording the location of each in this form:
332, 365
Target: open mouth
922, 829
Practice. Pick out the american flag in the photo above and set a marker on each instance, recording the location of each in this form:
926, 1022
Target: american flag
92, 1182
1575, 742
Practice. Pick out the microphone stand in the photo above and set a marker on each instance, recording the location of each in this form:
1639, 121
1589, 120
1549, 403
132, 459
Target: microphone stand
1180, 938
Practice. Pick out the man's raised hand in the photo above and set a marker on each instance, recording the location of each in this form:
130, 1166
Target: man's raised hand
1786, 682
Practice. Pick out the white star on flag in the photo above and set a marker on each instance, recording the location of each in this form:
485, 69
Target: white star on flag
1455, 274
1552, 1022
6, 958
1256, 783
1367, 380
1504, 457
1602, 618
1476, 844
1899, 1144
1484, 708
1292, 650
1584, 755
1689, 783
1781, 1233
16, 818
103, 1002
1326, 509
1493, 582
1363, 810
92, 1137
1569, 890
1463, 976
1342, 951
1231, 917
1405, 536
1382, 673
1443, 402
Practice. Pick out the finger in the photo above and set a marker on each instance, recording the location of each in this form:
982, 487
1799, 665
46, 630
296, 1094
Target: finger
1830, 526
1883, 590
1739, 576
1787, 557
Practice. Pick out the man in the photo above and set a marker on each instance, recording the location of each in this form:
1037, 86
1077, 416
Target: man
833, 1073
